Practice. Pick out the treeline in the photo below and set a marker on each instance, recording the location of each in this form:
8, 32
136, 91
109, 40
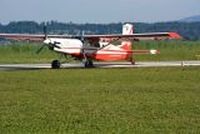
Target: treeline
190, 31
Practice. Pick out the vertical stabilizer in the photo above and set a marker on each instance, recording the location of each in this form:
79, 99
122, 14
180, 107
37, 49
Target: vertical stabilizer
127, 29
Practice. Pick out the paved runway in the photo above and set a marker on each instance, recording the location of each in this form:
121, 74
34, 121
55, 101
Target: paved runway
101, 65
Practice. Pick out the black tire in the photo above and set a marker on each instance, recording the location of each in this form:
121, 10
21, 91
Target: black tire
89, 64
55, 64
86, 64
133, 62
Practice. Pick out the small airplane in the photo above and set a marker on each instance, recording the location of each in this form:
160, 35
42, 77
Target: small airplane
94, 47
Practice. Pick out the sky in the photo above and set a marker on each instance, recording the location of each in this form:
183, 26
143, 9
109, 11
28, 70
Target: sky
97, 11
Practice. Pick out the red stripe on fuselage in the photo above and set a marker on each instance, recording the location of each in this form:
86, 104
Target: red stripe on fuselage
103, 55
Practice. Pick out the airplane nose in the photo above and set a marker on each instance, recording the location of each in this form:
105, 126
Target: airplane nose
47, 41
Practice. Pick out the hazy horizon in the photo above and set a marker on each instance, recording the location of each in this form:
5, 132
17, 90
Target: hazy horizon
93, 11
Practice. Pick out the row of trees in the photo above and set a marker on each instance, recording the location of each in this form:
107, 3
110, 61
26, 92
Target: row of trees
190, 31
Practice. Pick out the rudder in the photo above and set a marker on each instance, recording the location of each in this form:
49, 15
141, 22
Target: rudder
127, 29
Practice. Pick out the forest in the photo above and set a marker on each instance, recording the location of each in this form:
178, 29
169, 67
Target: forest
190, 31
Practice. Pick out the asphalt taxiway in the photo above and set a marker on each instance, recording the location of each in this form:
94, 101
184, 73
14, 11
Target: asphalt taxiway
10, 67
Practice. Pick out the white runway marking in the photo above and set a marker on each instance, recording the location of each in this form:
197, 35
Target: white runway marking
103, 65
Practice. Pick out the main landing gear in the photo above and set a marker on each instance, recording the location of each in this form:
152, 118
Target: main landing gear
88, 63
55, 64
132, 61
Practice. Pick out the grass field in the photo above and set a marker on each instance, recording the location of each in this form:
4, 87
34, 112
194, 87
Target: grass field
150, 100
25, 53
170, 50
142, 100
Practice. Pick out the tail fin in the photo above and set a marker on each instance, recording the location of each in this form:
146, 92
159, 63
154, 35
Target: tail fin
138, 52
126, 30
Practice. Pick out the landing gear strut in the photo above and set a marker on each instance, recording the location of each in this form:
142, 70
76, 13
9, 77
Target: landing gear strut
55, 64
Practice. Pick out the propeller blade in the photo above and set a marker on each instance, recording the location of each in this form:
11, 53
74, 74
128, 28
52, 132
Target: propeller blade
40, 49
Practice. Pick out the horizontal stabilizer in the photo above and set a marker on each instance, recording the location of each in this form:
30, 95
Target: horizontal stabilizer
146, 52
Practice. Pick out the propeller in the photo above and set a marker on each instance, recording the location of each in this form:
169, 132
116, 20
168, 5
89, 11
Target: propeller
47, 42
51, 45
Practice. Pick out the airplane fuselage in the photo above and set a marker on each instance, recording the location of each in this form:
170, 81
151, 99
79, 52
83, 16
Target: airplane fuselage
75, 47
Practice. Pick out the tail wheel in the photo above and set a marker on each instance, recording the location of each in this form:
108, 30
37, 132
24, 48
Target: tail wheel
132, 61
55, 64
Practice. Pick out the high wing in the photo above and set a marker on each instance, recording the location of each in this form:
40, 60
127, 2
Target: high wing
137, 36
23, 37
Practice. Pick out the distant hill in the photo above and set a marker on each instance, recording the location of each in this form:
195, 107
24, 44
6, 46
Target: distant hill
191, 19
189, 30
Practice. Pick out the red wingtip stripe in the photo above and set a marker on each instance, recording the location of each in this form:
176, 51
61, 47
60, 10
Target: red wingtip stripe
175, 35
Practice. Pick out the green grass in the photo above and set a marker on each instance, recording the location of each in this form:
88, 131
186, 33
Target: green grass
150, 100
170, 50
25, 53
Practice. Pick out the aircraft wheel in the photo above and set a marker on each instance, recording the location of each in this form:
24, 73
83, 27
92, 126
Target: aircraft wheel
133, 62
55, 64
88, 64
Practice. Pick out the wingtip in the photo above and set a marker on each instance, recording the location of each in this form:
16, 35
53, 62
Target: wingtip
154, 51
175, 35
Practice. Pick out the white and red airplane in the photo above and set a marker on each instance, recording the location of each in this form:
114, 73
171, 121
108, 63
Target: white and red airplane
95, 47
